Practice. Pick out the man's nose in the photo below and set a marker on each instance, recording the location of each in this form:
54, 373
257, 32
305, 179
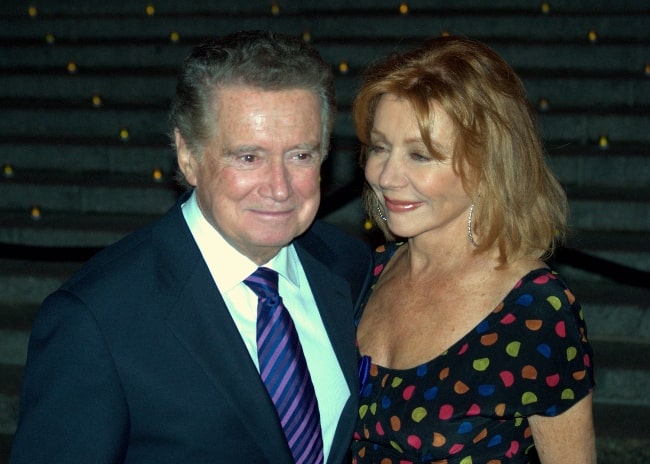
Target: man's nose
279, 181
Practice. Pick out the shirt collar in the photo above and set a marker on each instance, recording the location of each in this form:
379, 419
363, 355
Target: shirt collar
216, 251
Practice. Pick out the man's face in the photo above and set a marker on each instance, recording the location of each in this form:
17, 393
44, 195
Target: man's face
258, 180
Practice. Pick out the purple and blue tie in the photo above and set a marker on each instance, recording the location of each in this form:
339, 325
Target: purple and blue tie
284, 371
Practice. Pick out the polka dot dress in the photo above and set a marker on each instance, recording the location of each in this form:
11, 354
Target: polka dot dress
470, 404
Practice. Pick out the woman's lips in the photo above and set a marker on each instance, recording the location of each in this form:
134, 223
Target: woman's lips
400, 206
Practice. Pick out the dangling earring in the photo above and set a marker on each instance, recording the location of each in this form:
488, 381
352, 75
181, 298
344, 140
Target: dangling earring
470, 235
381, 213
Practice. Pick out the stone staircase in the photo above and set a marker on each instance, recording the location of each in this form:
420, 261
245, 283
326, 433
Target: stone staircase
84, 93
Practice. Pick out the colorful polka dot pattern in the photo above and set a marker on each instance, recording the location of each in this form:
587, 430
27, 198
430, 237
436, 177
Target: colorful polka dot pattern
470, 404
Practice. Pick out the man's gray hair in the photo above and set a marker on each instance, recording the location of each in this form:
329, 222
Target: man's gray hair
259, 59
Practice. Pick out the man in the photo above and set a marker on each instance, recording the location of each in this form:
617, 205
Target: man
149, 354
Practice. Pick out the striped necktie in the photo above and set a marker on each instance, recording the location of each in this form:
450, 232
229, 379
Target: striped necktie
284, 371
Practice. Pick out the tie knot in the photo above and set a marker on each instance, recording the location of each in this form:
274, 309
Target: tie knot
264, 282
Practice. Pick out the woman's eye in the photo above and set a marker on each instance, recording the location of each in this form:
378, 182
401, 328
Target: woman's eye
419, 157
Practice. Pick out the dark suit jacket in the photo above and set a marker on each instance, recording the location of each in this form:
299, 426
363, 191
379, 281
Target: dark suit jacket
136, 359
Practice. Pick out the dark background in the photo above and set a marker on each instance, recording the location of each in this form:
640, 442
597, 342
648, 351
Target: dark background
84, 94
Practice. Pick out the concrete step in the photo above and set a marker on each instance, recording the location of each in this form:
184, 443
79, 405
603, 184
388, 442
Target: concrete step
11, 377
622, 434
606, 333
13, 350
590, 89
129, 86
67, 120
66, 236
619, 125
109, 155
68, 213
559, 91
573, 163
87, 192
599, 208
79, 7
615, 312
147, 123
580, 6
558, 56
25, 283
330, 24
629, 248
60, 234
592, 208
555, 90
144, 85
620, 411
591, 164
16, 319
622, 373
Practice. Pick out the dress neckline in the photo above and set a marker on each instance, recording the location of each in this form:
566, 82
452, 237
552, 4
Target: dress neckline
366, 361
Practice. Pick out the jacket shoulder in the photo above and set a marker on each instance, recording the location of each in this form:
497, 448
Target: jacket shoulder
335, 242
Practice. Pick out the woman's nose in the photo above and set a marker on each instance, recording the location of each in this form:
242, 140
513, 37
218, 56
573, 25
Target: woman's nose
391, 174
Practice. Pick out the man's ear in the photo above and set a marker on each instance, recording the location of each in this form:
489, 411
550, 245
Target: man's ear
187, 162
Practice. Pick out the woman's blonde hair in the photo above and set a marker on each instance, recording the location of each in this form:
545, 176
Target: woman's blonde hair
520, 207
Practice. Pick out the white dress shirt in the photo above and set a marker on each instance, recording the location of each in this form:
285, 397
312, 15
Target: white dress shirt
229, 268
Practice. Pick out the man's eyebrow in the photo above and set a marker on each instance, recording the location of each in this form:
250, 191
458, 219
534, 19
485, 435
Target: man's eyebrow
311, 146
243, 149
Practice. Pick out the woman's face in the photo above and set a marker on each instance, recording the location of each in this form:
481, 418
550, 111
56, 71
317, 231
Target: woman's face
419, 193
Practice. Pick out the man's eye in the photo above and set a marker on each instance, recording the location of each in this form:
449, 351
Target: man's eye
248, 158
304, 156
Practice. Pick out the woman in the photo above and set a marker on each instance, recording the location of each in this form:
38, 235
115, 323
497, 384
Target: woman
474, 351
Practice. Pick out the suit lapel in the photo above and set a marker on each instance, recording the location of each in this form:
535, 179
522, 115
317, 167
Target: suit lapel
332, 295
334, 301
199, 319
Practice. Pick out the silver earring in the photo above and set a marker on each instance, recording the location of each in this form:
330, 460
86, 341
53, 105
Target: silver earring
381, 213
470, 235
